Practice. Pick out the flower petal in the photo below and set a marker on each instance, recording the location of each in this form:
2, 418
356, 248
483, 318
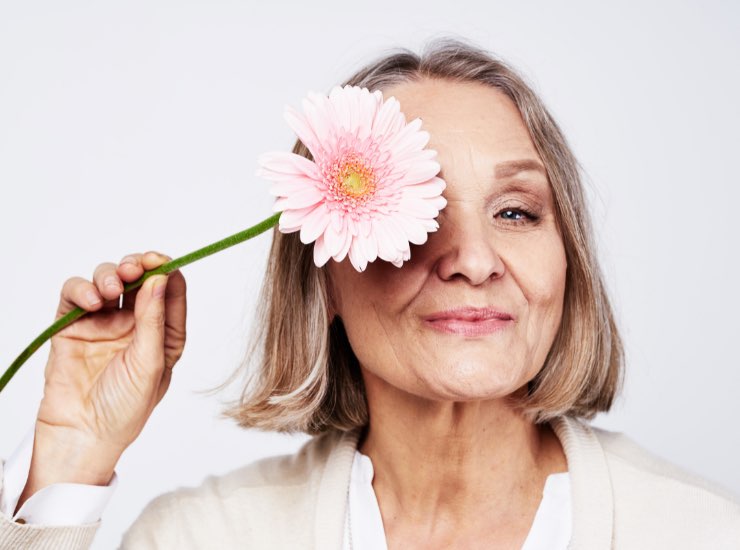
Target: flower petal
352, 225
357, 258
291, 220
339, 256
337, 220
368, 105
437, 202
339, 100
419, 208
407, 138
413, 229
333, 239
314, 224
287, 187
307, 196
320, 116
368, 246
386, 248
303, 130
420, 172
365, 226
279, 204
430, 226
424, 190
393, 232
288, 164
389, 118
320, 254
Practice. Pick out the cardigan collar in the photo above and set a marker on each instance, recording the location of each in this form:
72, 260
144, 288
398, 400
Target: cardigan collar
591, 486
333, 489
591, 489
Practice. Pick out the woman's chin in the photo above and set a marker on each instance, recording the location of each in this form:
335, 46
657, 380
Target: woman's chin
470, 381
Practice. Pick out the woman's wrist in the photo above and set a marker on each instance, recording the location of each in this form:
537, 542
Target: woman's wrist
61, 456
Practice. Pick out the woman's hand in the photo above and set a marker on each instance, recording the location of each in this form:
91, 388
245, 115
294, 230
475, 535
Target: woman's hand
106, 371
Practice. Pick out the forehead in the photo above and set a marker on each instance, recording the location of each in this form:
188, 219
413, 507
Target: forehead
465, 115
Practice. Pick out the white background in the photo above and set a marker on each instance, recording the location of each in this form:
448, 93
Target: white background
131, 126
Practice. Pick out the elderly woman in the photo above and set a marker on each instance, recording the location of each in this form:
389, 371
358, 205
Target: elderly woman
447, 398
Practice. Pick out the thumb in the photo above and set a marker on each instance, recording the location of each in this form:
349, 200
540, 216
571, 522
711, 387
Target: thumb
149, 313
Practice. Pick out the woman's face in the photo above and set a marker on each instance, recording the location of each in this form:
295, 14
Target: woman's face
487, 253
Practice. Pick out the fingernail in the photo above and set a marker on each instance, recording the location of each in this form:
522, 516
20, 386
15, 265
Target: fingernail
92, 298
112, 282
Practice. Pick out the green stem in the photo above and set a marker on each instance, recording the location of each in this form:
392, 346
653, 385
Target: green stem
165, 268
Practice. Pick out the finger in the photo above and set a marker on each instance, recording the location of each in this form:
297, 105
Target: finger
175, 323
78, 292
152, 259
107, 280
146, 352
138, 264
130, 268
175, 307
175, 317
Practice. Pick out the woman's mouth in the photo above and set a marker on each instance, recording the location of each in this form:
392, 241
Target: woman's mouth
470, 320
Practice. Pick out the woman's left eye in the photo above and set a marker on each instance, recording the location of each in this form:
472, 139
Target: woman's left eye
524, 215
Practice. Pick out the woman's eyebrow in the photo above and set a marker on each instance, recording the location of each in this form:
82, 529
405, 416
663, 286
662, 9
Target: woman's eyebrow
512, 167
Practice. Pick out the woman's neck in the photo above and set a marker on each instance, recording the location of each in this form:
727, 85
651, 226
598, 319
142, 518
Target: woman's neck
456, 463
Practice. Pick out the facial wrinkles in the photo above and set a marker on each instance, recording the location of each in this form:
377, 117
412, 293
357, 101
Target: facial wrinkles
541, 302
535, 334
473, 188
403, 284
389, 340
464, 168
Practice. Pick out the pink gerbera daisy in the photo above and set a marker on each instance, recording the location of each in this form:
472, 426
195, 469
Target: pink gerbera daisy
372, 187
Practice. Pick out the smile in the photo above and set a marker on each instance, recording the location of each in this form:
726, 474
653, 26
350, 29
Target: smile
469, 321
464, 327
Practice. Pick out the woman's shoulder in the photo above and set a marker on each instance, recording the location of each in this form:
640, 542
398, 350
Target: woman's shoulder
649, 489
628, 458
297, 470
245, 502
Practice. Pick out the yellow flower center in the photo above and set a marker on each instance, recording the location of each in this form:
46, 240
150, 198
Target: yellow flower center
354, 183
351, 180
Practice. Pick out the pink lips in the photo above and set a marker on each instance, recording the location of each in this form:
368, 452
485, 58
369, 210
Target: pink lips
469, 321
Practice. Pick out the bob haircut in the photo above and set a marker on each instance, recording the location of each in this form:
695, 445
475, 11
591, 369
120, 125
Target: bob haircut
307, 378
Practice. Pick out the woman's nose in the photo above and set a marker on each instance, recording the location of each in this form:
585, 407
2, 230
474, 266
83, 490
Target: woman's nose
467, 251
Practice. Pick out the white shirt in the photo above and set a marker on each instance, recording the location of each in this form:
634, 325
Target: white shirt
76, 504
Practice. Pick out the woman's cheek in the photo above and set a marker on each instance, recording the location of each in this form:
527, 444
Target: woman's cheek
545, 268
367, 346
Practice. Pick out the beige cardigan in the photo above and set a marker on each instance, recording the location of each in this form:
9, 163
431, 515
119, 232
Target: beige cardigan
623, 498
